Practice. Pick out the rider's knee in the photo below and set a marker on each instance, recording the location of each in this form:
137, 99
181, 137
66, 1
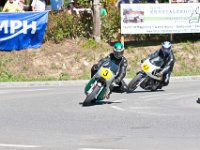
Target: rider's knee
94, 69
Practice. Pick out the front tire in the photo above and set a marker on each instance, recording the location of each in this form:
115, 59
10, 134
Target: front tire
91, 97
134, 82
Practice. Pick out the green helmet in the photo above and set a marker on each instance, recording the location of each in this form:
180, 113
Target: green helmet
118, 50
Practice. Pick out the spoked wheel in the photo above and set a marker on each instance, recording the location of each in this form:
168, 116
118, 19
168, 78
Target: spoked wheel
134, 82
91, 97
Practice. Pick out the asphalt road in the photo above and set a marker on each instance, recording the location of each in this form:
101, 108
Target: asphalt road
51, 118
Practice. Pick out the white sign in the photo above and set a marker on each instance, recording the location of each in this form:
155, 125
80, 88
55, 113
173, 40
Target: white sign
160, 18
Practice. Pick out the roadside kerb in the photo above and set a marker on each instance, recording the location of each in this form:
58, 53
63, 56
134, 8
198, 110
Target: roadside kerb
77, 82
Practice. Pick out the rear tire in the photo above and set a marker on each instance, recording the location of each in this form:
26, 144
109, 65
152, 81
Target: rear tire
91, 97
134, 82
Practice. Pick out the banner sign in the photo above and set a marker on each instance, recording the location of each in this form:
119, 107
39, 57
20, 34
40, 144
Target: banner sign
160, 18
22, 30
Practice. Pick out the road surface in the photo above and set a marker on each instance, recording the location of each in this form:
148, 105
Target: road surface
52, 118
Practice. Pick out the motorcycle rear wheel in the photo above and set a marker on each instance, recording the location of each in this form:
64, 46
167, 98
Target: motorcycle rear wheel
133, 84
91, 97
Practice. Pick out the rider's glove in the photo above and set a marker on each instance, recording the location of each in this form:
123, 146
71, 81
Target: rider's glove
160, 74
96, 67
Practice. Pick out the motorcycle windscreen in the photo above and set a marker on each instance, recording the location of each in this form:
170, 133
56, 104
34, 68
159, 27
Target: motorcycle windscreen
113, 67
158, 61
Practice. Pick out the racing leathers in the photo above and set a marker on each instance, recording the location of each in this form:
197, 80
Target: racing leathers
167, 66
122, 63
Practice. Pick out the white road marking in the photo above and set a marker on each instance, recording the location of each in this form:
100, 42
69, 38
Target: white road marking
33, 90
158, 95
139, 111
119, 100
145, 107
118, 108
16, 91
155, 114
19, 146
3, 92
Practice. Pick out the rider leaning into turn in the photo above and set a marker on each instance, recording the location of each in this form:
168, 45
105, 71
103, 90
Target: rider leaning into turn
166, 53
118, 58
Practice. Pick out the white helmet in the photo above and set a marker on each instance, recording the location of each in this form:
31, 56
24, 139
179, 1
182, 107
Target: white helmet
166, 48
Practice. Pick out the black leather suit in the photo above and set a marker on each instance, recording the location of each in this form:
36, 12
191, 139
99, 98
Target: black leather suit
167, 66
122, 63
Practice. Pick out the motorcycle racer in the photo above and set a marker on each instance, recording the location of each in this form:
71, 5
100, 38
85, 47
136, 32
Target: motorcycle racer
167, 55
118, 58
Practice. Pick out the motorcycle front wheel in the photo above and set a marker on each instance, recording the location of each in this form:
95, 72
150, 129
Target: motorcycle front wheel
134, 82
91, 97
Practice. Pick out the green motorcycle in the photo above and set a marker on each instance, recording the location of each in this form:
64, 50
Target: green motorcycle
98, 87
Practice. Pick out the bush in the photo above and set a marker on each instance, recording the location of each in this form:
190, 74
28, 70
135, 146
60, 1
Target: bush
63, 25
110, 24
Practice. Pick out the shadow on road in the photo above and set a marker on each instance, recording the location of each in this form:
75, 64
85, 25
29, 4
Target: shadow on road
98, 103
143, 91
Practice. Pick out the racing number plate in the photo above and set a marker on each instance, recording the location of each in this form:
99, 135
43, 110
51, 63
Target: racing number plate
106, 73
145, 67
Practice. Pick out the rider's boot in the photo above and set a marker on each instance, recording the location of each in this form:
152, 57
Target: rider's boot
108, 94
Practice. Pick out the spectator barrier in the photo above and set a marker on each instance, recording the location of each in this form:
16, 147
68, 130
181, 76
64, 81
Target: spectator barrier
22, 30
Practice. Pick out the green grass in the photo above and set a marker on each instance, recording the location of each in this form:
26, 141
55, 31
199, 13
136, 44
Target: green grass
187, 62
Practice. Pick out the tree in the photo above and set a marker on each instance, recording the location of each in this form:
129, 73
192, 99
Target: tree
96, 21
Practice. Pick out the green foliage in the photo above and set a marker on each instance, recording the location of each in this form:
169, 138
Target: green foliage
84, 3
90, 44
110, 24
4, 72
63, 25
6, 75
66, 2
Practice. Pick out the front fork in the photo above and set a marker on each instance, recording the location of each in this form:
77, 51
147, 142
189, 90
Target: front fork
100, 85
143, 77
